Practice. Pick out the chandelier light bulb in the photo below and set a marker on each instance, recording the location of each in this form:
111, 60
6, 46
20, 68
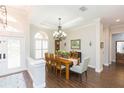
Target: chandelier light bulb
59, 35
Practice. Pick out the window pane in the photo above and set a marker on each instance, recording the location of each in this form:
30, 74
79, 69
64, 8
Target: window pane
38, 44
45, 44
38, 54
38, 36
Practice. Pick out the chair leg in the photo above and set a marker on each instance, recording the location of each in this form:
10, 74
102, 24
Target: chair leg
60, 73
56, 72
54, 68
86, 74
80, 77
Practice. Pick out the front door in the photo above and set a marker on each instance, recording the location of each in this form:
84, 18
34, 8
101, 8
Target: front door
120, 52
11, 51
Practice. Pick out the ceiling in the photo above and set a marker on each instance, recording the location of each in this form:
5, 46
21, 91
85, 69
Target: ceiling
46, 16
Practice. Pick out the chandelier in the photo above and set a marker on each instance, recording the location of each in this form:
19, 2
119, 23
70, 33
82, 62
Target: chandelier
3, 17
59, 35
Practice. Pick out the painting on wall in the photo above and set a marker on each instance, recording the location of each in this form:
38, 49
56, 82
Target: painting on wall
76, 44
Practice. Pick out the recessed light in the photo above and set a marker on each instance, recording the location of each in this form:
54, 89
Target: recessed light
83, 8
117, 20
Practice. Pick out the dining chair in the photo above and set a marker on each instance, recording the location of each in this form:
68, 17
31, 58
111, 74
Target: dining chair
47, 59
75, 55
59, 66
81, 68
53, 62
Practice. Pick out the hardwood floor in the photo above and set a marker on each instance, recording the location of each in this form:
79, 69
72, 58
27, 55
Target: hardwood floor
28, 80
110, 77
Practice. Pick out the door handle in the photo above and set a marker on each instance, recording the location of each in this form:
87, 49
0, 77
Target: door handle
0, 57
4, 56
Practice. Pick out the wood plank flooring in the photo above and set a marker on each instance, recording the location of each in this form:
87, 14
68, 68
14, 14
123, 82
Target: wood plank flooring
28, 80
111, 77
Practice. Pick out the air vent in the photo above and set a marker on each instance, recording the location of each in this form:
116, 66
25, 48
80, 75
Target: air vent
83, 8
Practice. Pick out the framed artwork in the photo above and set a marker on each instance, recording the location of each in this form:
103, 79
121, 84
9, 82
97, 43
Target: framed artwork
76, 44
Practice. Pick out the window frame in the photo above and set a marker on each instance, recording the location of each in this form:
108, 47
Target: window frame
40, 49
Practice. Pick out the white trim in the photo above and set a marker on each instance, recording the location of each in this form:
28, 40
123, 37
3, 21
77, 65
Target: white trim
113, 61
13, 71
106, 64
99, 70
91, 66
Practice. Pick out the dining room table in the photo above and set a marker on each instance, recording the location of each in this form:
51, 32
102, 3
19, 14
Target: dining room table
67, 62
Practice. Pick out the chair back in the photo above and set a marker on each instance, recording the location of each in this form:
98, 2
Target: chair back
84, 65
52, 58
58, 62
46, 57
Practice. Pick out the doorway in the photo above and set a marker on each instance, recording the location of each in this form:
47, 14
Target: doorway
11, 54
120, 52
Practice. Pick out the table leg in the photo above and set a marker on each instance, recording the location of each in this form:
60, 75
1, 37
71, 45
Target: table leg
67, 71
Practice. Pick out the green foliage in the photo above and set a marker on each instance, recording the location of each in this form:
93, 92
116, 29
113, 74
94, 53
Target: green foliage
63, 53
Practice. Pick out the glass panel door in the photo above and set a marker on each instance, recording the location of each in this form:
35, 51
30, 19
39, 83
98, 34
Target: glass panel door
14, 54
3, 55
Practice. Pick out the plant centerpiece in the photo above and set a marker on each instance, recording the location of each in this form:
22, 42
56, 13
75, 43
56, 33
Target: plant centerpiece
64, 54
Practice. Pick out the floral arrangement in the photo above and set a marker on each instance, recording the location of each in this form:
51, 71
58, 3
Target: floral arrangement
62, 53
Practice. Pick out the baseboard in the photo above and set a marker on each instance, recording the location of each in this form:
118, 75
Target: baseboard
99, 70
91, 66
113, 61
106, 64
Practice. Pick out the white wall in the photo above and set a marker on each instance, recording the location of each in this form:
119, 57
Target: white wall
99, 50
117, 29
87, 33
107, 46
33, 30
102, 56
19, 19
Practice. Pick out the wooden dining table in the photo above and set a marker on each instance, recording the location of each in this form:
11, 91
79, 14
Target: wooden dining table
67, 63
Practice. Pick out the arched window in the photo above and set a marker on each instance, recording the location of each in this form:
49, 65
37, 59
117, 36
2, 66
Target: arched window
41, 45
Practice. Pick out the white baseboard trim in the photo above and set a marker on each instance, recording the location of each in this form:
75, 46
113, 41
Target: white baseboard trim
99, 70
91, 66
106, 64
113, 61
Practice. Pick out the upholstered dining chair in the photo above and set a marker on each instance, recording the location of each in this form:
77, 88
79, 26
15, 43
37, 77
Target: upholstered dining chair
59, 66
81, 68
